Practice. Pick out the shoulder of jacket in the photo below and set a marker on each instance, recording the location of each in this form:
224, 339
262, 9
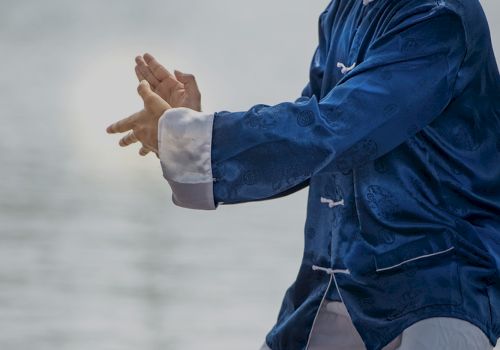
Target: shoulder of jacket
401, 13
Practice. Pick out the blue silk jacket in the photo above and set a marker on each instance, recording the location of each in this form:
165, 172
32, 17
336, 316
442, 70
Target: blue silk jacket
397, 135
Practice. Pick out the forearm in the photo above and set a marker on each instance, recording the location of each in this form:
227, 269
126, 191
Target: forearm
270, 150
266, 152
191, 148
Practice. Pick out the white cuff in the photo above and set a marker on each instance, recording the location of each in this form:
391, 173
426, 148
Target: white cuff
185, 147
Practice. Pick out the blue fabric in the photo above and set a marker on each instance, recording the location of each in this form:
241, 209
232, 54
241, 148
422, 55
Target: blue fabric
402, 158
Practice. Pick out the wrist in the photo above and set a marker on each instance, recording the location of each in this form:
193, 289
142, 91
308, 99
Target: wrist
185, 143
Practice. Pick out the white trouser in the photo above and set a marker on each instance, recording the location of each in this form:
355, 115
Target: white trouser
333, 330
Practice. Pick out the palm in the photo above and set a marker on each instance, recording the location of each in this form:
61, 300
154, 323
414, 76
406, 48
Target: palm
178, 89
176, 94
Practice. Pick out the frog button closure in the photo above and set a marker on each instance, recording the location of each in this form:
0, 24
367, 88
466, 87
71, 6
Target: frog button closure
344, 69
331, 203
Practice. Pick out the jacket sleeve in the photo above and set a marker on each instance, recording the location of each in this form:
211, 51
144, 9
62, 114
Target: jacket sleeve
405, 81
185, 140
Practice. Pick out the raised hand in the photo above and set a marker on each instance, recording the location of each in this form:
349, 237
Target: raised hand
143, 125
178, 89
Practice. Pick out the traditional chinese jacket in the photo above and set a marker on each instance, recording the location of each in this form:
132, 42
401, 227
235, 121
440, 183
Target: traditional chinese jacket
397, 136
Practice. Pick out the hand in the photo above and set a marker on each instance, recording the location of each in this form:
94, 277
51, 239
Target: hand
179, 90
143, 124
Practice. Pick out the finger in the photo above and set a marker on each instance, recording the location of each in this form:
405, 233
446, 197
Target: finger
144, 151
124, 124
159, 71
129, 139
146, 72
139, 74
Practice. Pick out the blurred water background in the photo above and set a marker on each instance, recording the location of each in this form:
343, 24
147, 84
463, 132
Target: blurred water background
93, 254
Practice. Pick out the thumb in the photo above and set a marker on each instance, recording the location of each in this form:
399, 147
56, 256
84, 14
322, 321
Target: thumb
189, 82
187, 79
151, 100
144, 90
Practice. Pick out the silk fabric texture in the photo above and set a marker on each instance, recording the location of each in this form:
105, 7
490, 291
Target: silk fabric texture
396, 136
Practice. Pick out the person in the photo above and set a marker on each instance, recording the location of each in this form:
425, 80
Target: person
397, 137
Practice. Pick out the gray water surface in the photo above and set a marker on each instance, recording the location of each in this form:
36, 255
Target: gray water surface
93, 254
